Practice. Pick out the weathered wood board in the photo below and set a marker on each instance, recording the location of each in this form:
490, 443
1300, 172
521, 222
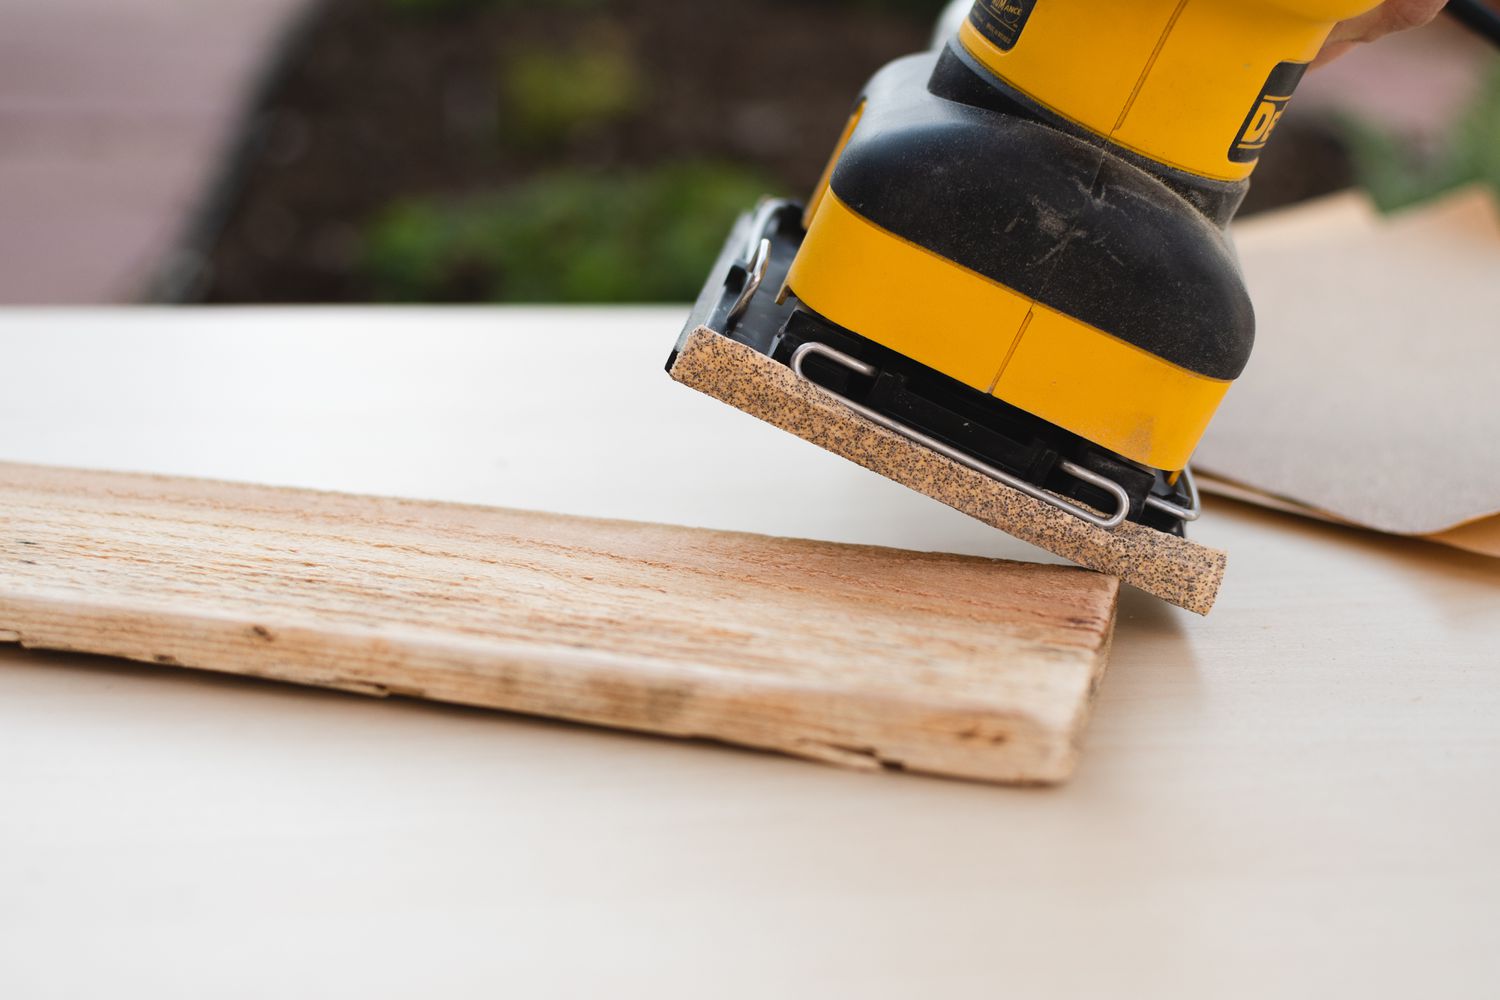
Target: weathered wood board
1175, 569
854, 655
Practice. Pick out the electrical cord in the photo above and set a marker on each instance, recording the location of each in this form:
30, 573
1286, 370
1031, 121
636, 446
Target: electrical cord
1478, 16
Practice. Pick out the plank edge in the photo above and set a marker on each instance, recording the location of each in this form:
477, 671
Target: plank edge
1014, 744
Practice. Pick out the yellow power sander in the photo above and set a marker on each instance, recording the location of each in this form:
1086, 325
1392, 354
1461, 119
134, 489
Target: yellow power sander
1018, 257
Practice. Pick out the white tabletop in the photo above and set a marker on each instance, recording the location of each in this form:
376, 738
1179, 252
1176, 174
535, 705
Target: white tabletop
1299, 796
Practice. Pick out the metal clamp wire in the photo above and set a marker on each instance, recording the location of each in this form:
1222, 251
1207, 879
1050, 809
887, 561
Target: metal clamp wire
1192, 511
756, 274
1109, 523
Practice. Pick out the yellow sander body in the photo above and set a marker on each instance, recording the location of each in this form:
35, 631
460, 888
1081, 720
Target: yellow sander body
1019, 253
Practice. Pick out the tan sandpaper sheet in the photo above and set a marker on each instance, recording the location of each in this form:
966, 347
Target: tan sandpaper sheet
1371, 398
1481, 537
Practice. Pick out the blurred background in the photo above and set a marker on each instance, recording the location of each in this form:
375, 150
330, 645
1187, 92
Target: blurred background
279, 151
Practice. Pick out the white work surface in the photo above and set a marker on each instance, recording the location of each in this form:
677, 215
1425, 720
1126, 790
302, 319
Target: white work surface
1298, 796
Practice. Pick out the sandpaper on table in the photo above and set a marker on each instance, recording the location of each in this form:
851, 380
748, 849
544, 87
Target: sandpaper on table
1307, 771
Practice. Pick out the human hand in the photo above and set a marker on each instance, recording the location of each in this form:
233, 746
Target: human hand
1389, 17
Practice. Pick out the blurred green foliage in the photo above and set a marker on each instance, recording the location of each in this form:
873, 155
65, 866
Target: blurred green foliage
548, 96
450, 6
570, 237
927, 9
1396, 177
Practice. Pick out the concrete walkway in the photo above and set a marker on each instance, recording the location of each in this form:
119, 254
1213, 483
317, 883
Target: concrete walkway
113, 118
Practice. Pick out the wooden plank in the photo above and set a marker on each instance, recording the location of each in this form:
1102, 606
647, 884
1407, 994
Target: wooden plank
1175, 569
854, 655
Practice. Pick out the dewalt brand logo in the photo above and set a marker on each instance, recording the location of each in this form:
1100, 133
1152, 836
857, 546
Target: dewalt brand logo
1002, 21
1267, 112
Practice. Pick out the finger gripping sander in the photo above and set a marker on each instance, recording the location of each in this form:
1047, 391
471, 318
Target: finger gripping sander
1018, 261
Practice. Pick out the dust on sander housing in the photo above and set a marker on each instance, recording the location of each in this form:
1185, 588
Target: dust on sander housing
946, 160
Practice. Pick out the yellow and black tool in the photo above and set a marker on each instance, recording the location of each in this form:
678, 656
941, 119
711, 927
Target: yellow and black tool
1019, 253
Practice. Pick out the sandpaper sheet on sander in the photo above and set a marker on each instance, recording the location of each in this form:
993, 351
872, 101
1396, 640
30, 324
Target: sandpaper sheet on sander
1176, 569
1371, 397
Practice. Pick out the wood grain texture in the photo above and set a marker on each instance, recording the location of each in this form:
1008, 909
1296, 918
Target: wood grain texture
1175, 569
853, 655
